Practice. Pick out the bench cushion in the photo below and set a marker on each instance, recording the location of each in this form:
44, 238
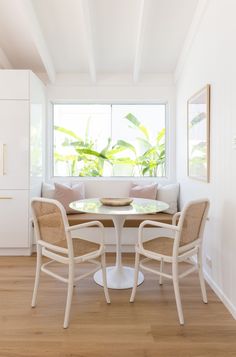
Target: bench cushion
131, 221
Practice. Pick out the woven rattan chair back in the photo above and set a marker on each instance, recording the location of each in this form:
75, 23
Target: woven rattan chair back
51, 226
193, 220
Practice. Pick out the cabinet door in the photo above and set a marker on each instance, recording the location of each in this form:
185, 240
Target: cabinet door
14, 144
14, 219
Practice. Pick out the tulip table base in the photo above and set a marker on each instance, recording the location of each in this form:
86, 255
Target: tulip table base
118, 276
121, 277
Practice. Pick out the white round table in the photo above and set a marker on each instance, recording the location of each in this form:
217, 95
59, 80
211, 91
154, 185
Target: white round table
119, 276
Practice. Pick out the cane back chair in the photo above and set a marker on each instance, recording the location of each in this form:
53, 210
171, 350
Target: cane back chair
54, 241
188, 227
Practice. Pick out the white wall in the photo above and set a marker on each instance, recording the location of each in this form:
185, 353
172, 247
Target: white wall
119, 89
212, 59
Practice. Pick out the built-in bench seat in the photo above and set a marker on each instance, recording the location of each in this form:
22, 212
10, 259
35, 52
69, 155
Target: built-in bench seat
100, 187
131, 221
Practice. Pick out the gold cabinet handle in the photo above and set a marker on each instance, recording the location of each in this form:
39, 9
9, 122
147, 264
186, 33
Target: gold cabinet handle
6, 198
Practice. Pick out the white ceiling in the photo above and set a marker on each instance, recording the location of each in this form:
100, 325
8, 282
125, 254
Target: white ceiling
94, 36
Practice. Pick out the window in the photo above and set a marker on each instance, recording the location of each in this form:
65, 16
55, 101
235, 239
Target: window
109, 140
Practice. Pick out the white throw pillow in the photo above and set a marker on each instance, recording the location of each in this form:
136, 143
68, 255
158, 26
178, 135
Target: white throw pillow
48, 190
169, 194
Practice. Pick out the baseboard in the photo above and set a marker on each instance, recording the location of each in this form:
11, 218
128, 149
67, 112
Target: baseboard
228, 304
6, 252
217, 290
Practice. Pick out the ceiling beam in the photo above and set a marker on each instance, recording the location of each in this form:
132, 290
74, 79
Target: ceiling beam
38, 39
88, 39
140, 38
4, 61
193, 29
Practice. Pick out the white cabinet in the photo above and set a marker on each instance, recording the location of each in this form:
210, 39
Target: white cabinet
14, 144
14, 218
22, 114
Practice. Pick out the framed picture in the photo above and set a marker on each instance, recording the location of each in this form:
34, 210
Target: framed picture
199, 135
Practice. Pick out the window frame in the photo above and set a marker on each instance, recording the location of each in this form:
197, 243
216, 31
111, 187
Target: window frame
50, 142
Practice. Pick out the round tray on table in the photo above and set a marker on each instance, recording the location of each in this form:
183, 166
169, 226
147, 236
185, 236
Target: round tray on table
123, 201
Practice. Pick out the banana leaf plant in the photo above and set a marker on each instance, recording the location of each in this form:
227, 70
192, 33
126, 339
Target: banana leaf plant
151, 156
154, 157
84, 152
145, 156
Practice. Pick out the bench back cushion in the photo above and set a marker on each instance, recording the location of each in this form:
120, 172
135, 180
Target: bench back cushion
143, 191
120, 188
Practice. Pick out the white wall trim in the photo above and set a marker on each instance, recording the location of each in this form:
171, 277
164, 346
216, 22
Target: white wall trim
198, 15
217, 290
7, 252
170, 143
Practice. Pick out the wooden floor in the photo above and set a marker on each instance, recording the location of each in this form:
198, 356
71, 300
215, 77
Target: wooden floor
147, 328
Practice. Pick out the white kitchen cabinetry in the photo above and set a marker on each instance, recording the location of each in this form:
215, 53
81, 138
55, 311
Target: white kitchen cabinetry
14, 218
14, 144
22, 116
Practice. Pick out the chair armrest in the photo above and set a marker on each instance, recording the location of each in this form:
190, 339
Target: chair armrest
158, 224
155, 224
175, 218
88, 224
52, 247
84, 225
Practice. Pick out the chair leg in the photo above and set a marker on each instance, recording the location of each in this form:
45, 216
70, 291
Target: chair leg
37, 275
177, 292
104, 277
161, 271
69, 295
137, 257
201, 277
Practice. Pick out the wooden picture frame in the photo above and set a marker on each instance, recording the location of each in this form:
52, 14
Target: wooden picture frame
199, 135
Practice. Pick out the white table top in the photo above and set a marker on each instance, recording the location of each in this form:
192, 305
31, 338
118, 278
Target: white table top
138, 206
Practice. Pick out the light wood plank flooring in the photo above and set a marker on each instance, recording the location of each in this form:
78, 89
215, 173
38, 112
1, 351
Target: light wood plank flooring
147, 328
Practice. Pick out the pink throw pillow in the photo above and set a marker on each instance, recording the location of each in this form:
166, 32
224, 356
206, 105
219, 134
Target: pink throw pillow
144, 191
65, 195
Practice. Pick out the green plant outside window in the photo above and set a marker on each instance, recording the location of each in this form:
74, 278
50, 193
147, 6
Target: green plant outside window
143, 153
